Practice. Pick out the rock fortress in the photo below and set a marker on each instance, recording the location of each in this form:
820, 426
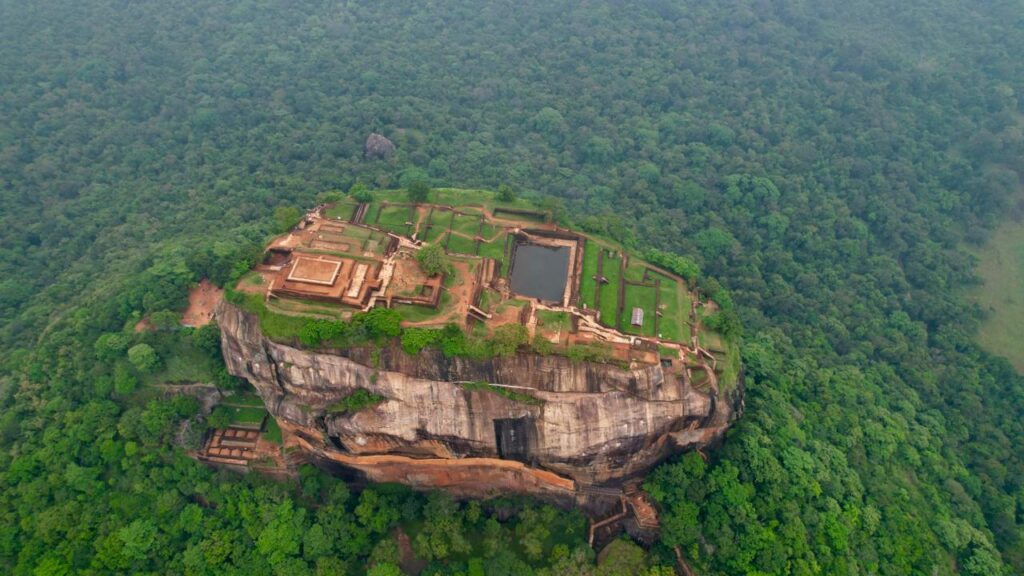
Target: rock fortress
541, 360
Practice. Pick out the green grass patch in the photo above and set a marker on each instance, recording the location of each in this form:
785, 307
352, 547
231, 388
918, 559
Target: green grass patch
361, 399
356, 253
479, 331
372, 212
414, 313
395, 219
476, 198
375, 246
1001, 294
440, 217
551, 320
588, 287
343, 209
588, 353
489, 299
247, 415
461, 244
672, 316
710, 340
635, 270
461, 197
466, 224
642, 297
434, 234
494, 249
244, 399
252, 278
513, 303
438, 226
309, 308
699, 376
730, 369
275, 326
359, 233
489, 231
610, 291
509, 393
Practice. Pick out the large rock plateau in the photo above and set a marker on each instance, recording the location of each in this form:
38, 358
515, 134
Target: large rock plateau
591, 424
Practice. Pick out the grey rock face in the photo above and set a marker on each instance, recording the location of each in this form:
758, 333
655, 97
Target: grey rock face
593, 423
378, 147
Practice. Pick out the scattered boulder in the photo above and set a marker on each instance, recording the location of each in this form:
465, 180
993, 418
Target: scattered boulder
378, 147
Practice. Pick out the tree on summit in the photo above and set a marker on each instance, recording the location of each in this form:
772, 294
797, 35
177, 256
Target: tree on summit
418, 191
433, 260
506, 193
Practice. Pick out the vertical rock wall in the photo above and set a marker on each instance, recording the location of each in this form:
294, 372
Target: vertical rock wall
590, 423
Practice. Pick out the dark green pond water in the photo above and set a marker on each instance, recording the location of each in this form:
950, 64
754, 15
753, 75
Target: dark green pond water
540, 271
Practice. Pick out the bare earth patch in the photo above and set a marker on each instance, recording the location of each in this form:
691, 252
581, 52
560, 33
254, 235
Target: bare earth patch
201, 302
408, 561
459, 293
408, 277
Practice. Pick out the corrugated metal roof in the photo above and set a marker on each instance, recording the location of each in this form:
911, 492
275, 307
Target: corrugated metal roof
638, 317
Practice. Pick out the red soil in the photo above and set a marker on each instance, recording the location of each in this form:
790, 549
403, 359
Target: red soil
201, 302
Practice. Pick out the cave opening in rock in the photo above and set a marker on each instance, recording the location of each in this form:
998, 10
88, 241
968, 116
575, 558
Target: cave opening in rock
514, 438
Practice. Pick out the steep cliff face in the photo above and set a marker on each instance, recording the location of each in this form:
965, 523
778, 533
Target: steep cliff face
590, 423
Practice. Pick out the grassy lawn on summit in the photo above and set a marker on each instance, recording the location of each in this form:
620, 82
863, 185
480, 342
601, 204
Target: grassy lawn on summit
551, 320
672, 312
461, 244
610, 292
395, 219
466, 224
343, 209
642, 297
588, 286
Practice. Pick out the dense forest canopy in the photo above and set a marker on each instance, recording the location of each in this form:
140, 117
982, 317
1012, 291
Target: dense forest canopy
826, 161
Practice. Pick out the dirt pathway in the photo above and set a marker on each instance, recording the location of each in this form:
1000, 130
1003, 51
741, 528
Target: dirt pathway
422, 212
460, 295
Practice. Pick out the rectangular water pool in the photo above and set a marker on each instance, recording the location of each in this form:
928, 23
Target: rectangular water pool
540, 271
